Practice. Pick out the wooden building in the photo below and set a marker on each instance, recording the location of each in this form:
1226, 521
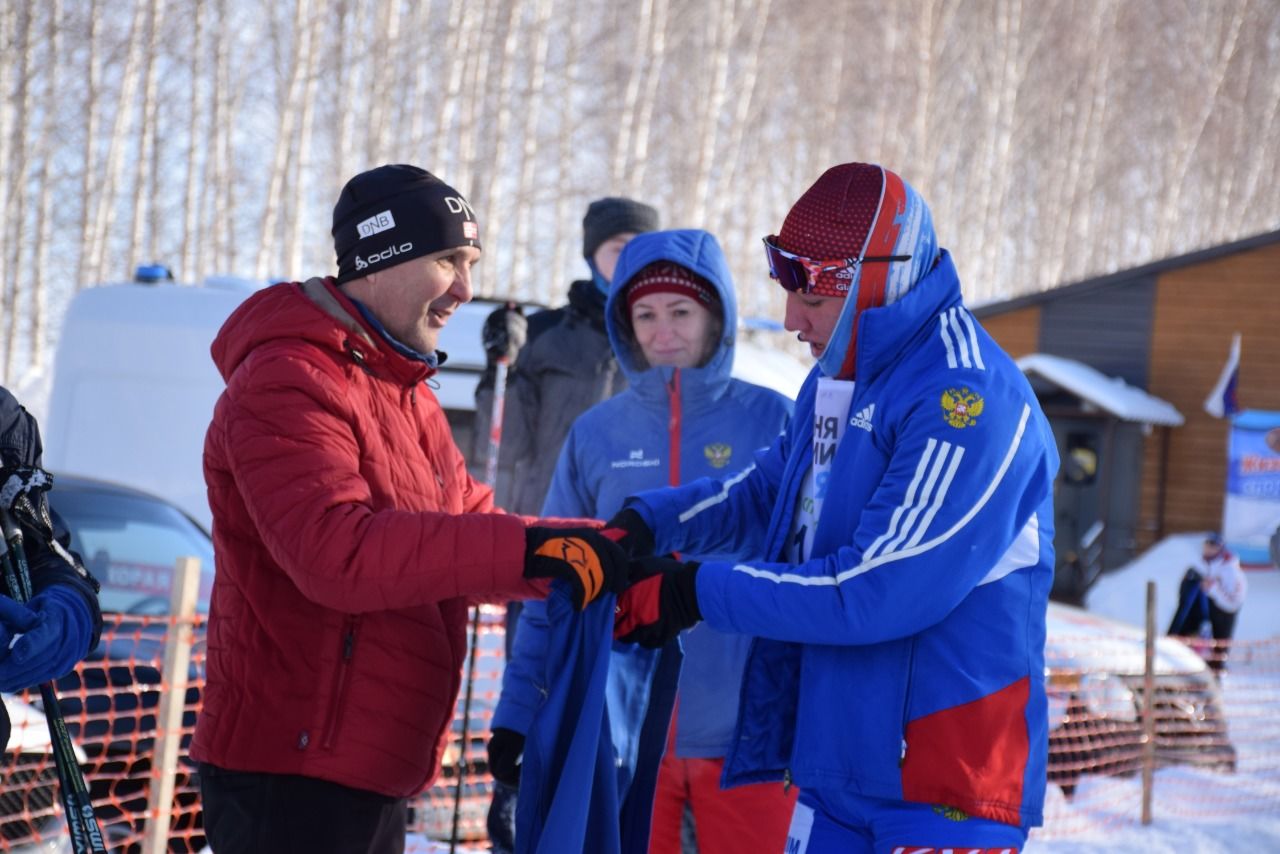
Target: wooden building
1165, 328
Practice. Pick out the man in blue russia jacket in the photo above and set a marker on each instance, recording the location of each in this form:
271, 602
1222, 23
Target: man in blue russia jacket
678, 420
898, 675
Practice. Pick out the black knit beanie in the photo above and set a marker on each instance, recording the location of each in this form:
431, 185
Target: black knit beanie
614, 215
395, 213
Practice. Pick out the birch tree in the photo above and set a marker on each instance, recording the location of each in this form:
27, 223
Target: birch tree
526, 200
459, 30
488, 196
295, 239
564, 236
627, 110
719, 42
105, 210
144, 175
89, 162
1212, 57
289, 109
15, 200
192, 195
45, 184
218, 168
656, 58
755, 20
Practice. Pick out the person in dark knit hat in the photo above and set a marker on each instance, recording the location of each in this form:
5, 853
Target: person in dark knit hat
901, 529
566, 364
350, 537
565, 367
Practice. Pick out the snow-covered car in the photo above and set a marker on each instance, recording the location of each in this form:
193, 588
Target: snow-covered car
1095, 684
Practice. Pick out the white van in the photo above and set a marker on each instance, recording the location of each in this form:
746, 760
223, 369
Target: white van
134, 385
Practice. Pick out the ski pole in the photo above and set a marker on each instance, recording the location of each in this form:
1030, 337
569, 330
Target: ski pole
86, 835
495, 422
490, 477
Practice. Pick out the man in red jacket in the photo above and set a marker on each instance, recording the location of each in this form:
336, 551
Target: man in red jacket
350, 538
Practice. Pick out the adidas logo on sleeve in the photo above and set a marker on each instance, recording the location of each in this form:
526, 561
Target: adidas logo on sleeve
863, 418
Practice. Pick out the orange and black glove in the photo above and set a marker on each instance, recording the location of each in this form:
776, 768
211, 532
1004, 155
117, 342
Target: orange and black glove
636, 539
588, 558
663, 603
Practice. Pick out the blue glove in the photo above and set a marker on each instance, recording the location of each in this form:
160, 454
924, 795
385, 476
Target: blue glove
52, 632
15, 619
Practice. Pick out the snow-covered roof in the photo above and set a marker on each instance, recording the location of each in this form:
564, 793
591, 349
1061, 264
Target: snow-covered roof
1111, 394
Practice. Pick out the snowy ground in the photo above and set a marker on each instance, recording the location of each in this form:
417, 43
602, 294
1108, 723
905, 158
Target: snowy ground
1172, 835
1195, 812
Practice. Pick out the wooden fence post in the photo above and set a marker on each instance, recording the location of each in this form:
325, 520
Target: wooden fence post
1149, 707
173, 697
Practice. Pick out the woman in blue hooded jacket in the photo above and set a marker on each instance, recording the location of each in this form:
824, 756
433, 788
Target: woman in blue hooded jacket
671, 318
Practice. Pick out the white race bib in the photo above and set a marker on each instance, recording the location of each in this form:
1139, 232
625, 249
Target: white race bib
830, 418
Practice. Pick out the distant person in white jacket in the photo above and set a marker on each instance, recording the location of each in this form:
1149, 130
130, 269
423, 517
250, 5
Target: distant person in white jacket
1211, 591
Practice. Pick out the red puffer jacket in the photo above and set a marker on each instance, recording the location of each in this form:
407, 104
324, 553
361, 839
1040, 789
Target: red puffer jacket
350, 541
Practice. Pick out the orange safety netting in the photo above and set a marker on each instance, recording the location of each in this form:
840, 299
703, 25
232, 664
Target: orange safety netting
1217, 742
1216, 746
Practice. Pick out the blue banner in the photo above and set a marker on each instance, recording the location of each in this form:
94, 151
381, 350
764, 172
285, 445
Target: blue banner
1251, 512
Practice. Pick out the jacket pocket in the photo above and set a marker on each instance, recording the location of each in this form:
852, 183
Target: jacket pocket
342, 675
906, 699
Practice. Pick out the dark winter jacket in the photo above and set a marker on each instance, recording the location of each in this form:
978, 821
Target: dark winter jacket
478, 454
350, 541
561, 372
20, 447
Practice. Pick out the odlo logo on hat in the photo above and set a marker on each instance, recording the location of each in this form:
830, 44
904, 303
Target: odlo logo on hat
384, 255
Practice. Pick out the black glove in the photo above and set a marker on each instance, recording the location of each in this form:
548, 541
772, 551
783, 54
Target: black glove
661, 605
504, 332
506, 746
637, 539
585, 557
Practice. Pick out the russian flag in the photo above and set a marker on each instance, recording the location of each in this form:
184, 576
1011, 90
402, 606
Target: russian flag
1221, 402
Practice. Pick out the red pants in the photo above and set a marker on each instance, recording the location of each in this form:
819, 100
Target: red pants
728, 821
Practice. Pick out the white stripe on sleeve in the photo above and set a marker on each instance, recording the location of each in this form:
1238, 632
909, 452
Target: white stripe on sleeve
907, 501
935, 471
967, 319
870, 563
960, 338
718, 497
946, 340
938, 499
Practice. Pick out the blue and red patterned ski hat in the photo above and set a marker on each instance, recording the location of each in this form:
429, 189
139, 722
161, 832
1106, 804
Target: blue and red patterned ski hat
858, 210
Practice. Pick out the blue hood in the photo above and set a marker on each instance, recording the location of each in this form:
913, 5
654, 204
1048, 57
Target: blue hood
700, 252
